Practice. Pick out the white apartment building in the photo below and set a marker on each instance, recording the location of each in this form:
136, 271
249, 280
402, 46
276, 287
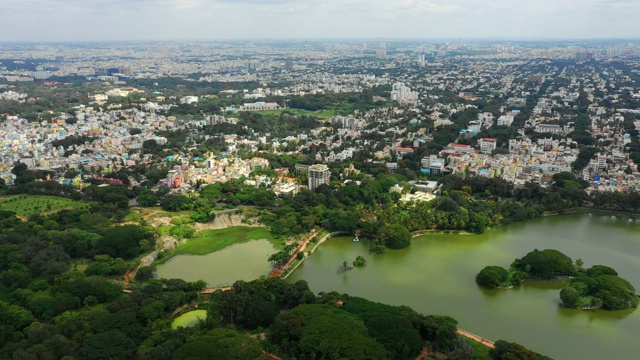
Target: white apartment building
505, 120
401, 92
318, 174
344, 121
549, 128
487, 145
257, 106
432, 165
189, 100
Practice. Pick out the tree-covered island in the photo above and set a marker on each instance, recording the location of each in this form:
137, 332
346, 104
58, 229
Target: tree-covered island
596, 287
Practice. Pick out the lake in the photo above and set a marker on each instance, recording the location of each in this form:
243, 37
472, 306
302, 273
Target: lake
436, 275
246, 261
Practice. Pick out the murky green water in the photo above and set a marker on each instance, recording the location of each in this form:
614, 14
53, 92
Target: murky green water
247, 261
436, 275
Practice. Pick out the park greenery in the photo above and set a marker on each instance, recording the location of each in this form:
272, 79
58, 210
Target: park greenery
26, 205
61, 297
596, 287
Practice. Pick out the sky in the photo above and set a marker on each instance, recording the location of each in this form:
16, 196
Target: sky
131, 20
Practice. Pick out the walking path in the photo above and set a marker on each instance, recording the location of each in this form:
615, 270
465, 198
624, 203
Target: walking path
324, 238
476, 338
305, 242
208, 291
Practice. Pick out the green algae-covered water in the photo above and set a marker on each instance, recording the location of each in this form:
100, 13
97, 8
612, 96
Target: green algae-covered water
246, 261
436, 275
189, 319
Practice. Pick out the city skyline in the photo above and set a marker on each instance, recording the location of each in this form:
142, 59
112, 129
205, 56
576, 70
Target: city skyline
119, 20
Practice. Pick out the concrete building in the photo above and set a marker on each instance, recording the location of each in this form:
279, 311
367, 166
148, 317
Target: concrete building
400, 92
549, 128
344, 121
257, 106
505, 120
432, 165
41, 75
318, 175
189, 100
487, 145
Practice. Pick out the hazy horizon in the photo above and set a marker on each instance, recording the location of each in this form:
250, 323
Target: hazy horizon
209, 20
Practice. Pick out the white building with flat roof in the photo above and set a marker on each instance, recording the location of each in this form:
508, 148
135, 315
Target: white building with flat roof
260, 105
487, 145
505, 120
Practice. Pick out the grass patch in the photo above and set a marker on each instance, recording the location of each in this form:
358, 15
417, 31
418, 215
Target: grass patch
26, 205
163, 229
80, 264
189, 319
208, 241
480, 351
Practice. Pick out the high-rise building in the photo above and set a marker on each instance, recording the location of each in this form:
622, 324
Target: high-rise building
41, 75
400, 92
125, 71
318, 175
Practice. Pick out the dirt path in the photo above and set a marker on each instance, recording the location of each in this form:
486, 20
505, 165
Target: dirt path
212, 290
165, 242
424, 353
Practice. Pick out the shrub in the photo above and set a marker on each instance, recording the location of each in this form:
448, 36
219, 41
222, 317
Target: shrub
569, 296
359, 261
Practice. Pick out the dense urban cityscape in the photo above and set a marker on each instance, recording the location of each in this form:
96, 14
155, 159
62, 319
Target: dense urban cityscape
119, 159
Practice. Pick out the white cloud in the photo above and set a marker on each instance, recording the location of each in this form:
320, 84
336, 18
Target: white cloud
182, 19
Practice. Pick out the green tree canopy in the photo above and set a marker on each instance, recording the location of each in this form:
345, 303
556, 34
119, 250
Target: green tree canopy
492, 276
109, 345
505, 350
220, 343
323, 331
545, 264
124, 241
395, 236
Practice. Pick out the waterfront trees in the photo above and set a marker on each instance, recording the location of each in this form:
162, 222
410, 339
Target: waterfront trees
395, 236
593, 288
545, 264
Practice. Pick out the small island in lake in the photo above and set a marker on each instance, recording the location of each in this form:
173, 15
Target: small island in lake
593, 288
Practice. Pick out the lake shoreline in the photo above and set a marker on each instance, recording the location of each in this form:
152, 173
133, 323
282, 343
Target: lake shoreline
437, 277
